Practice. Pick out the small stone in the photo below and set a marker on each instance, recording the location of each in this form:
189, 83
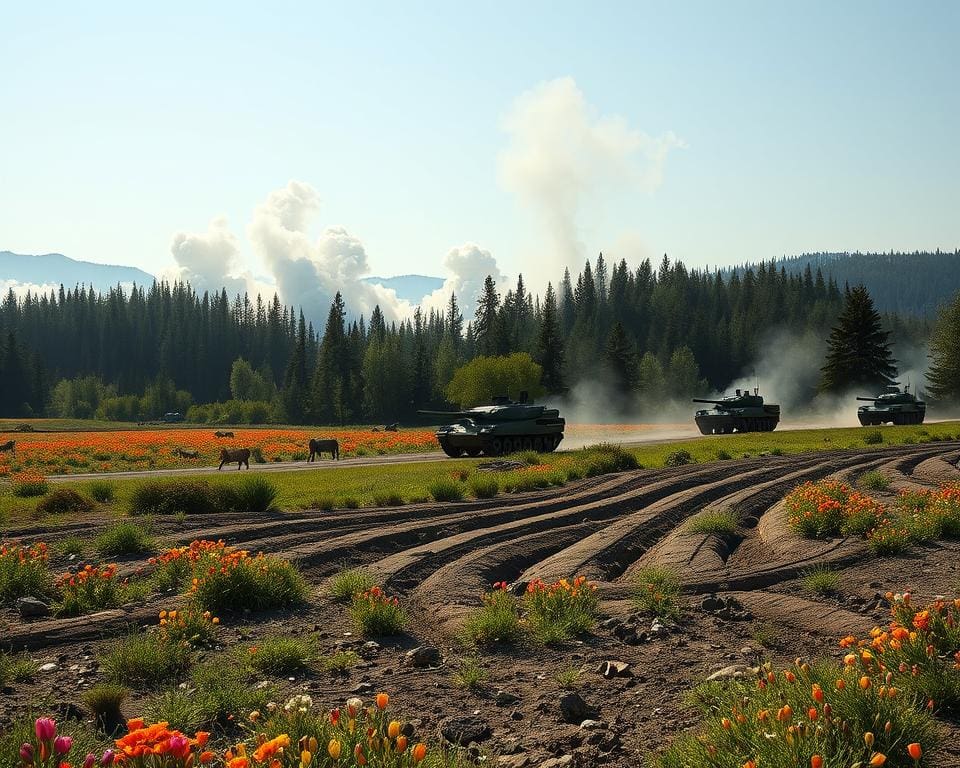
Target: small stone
733, 672
32, 608
48, 667
658, 629
424, 656
593, 725
711, 603
363, 687
611, 669
506, 699
464, 729
574, 710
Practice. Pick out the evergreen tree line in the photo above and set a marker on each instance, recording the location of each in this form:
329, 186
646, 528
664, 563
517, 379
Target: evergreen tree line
649, 331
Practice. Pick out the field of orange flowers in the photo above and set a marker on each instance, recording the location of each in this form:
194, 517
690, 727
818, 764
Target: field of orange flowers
72, 452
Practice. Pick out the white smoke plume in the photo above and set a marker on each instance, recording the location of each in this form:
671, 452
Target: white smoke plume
467, 267
209, 261
561, 153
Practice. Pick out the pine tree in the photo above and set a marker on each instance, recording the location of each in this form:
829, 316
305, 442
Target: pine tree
550, 344
295, 379
944, 375
621, 359
485, 325
858, 353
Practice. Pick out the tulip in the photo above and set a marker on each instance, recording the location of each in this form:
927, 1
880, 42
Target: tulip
868, 738
89, 761
108, 758
401, 743
382, 700
45, 729
393, 730
333, 749
914, 750
864, 683
354, 706
817, 693
305, 759
26, 753
62, 745
877, 760
813, 714
335, 716
419, 752
816, 762
726, 723
358, 755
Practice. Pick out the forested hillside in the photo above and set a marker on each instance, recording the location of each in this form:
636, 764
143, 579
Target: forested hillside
646, 330
915, 283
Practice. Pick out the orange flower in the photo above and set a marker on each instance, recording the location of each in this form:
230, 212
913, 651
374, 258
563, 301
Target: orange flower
816, 762
914, 750
878, 759
382, 700
419, 752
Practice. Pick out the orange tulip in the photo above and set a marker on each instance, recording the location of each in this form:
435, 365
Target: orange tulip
401, 743
878, 759
914, 750
382, 700
334, 748
419, 752
393, 730
816, 762
868, 738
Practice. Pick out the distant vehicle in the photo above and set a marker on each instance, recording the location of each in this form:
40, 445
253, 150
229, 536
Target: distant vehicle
741, 412
173, 417
503, 427
893, 406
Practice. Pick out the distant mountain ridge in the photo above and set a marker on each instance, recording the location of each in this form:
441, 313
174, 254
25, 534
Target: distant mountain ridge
915, 283
55, 268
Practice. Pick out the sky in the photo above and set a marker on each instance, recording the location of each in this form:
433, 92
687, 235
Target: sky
293, 143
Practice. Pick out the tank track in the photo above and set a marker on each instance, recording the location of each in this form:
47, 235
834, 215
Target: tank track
499, 446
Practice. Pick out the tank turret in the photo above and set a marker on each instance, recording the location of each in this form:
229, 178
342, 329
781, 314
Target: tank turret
502, 427
892, 407
741, 412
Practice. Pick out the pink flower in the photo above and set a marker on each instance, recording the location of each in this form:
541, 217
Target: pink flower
46, 729
107, 758
26, 753
89, 761
62, 745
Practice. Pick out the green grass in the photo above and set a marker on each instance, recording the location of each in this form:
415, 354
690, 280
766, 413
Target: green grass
496, 621
145, 660
254, 584
821, 580
105, 701
280, 655
874, 481
339, 661
658, 592
352, 581
15, 668
124, 539
446, 489
376, 615
721, 522
567, 678
71, 545
470, 674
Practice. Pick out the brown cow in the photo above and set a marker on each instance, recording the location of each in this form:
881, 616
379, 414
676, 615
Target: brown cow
223, 434
318, 446
239, 455
11, 446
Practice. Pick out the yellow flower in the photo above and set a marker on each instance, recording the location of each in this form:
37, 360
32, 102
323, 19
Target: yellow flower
333, 749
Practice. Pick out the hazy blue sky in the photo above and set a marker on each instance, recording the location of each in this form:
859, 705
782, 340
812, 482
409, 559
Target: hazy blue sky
746, 130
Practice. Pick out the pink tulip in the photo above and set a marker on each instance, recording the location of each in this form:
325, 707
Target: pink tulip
107, 759
46, 729
26, 753
89, 761
62, 745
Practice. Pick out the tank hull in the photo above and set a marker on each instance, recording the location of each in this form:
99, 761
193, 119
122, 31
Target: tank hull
499, 429
872, 416
712, 423
457, 444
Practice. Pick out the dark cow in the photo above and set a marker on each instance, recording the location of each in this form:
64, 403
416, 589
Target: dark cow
239, 455
10, 445
324, 446
395, 427
223, 434
183, 453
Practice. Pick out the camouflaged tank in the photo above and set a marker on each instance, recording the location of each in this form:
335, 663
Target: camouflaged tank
893, 407
741, 412
500, 428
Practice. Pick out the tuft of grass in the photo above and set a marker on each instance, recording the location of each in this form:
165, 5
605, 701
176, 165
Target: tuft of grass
484, 486
252, 494
124, 539
530, 458
64, 501
281, 655
658, 592
351, 503
873, 437
145, 660
340, 661
606, 458
376, 615
764, 634
821, 580
567, 678
387, 499
723, 455
15, 668
496, 621
678, 458
23, 573
101, 491
105, 701
72, 545
324, 503
191, 496
722, 522
27, 485
254, 583
345, 585
446, 489
470, 674
874, 481
559, 612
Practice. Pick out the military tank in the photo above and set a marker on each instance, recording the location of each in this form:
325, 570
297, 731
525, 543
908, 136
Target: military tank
742, 412
502, 427
893, 406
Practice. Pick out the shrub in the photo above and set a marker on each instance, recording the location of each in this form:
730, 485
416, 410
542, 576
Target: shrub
15, 668
723, 455
23, 572
530, 458
326, 503
101, 490
105, 701
169, 497
446, 489
873, 437
72, 545
496, 621
123, 539
145, 660
281, 655
375, 615
340, 661
777, 452
256, 453
345, 585
821, 580
253, 494
658, 592
90, 589
249, 582
351, 503
188, 626
721, 522
874, 481
677, 458
484, 486
828, 508
562, 610
470, 674
64, 501
388, 499
26, 484
606, 458
764, 635
888, 539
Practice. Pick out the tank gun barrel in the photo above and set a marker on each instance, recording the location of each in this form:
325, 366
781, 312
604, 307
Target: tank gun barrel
445, 414
713, 402
867, 399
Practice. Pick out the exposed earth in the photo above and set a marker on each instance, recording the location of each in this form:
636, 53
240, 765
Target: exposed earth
440, 557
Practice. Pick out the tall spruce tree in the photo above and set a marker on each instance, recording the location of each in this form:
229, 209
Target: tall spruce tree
485, 326
295, 379
944, 375
858, 352
550, 344
620, 357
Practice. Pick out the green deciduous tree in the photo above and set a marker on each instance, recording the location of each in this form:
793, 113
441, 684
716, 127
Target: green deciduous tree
484, 378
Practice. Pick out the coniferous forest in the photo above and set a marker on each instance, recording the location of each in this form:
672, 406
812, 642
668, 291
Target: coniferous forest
645, 331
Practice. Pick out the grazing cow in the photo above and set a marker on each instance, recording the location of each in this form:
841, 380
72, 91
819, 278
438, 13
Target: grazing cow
322, 446
185, 454
10, 445
239, 455
395, 427
223, 434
